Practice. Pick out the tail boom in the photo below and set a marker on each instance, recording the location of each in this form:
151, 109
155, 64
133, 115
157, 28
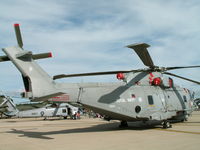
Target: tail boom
38, 83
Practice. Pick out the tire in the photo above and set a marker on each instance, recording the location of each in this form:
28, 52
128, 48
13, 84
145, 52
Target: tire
42, 113
166, 124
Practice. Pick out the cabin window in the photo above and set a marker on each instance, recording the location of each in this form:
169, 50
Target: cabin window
150, 99
64, 111
185, 98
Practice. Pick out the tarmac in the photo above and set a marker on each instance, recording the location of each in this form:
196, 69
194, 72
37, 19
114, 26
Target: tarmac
96, 134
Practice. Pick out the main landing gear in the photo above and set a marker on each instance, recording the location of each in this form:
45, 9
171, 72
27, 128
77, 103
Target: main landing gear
123, 124
166, 124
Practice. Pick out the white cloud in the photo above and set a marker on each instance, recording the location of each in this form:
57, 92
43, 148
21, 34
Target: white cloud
90, 35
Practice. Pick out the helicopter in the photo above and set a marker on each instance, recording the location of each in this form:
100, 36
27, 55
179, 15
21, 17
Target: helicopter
54, 107
146, 95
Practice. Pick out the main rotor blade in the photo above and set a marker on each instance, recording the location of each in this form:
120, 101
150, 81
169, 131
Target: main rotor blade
93, 74
181, 67
142, 52
18, 35
168, 73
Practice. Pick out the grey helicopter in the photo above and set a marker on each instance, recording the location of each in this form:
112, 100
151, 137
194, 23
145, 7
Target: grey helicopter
46, 109
146, 95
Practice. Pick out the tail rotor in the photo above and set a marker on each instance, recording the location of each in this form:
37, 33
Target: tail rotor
18, 35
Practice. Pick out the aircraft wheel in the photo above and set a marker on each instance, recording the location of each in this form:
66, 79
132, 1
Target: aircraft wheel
42, 113
166, 124
186, 118
123, 124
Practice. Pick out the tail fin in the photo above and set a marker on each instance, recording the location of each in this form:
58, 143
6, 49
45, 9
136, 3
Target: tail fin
38, 84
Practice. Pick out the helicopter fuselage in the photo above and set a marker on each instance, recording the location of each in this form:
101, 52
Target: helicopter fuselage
132, 100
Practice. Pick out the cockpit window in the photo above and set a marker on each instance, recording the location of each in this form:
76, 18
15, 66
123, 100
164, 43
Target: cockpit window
64, 110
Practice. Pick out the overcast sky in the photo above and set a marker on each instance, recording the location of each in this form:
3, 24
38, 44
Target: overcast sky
91, 35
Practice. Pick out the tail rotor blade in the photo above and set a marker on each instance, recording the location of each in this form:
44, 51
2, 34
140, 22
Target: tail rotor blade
18, 35
42, 55
34, 56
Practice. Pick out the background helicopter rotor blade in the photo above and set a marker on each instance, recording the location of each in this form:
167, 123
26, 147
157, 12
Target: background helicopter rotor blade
142, 52
18, 35
171, 74
94, 73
